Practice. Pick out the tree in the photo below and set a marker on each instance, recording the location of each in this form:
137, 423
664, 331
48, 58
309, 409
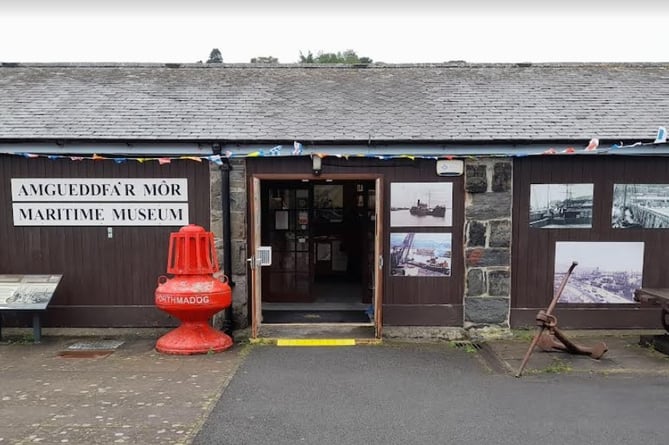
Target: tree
215, 56
268, 59
348, 57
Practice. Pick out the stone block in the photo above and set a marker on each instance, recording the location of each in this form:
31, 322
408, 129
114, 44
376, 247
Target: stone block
475, 282
501, 177
499, 283
238, 201
238, 225
476, 178
481, 257
500, 233
476, 234
239, 257
486, 310
486, 206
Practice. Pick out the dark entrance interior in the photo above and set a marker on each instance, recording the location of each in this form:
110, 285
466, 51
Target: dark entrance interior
322, 239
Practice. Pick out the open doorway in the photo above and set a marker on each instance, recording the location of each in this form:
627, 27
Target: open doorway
322, 235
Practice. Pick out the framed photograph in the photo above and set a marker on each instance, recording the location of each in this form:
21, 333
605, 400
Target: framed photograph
607, 272
420, 254
328, 196
421, 204
561, 206
640, 206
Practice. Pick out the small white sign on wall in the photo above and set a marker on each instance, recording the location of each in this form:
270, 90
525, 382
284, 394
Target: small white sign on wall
450, 167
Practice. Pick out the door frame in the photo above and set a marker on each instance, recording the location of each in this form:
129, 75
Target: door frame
254, 237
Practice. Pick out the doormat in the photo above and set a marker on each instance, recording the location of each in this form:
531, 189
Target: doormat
314, 317
91, 349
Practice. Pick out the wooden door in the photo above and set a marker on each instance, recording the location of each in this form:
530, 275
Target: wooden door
256, 276
378, 259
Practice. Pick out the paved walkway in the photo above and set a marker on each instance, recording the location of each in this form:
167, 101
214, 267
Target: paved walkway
365, 394
133, 395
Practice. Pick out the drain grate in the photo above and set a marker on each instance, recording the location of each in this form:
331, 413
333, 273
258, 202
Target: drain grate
97, 345
485, 354
466, 345
91, 349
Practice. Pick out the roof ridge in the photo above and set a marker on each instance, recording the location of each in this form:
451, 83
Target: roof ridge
377, 65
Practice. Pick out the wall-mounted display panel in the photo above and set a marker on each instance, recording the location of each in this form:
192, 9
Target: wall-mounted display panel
420, 254
607, 272
640, 206
421, 204
561, 206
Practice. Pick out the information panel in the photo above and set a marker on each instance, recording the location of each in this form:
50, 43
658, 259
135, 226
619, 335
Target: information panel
27, 292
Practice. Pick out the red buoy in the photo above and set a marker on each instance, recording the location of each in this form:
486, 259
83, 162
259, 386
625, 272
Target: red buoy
193, 295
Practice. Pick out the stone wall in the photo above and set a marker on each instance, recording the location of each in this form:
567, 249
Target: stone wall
238, 241
488, 199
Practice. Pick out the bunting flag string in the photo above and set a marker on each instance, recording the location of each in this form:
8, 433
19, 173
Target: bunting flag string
593, 146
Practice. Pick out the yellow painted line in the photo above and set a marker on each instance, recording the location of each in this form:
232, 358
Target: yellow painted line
315, 342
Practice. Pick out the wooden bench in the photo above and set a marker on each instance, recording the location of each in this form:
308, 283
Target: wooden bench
27, 293
658, 296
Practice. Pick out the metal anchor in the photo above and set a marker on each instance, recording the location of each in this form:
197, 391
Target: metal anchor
550, 338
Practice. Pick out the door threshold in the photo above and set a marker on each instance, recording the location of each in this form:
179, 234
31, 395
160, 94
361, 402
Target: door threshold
362, 333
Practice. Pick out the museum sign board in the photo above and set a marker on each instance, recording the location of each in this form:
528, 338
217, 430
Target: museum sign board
100, 201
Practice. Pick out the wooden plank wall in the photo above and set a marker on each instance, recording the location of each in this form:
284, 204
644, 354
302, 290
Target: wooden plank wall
407, 301
533, 250
106, 282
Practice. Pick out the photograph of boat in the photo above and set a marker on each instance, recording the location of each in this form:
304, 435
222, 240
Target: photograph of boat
640, 206
420, 254
607, 272
421, 204
561, 206
422, 209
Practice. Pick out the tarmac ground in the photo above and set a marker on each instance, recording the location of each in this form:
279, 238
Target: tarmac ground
117, 389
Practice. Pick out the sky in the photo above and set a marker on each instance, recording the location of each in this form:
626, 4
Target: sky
408, 31
608, 256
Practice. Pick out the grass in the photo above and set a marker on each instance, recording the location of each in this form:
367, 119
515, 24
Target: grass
524, 334
23, 339
557, 366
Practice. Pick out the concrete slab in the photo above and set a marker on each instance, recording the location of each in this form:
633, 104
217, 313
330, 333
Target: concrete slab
624, 356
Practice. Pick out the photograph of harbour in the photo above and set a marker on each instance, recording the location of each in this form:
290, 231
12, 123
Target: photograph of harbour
420, 254
607, 272
640, 206
421, 204
561, 206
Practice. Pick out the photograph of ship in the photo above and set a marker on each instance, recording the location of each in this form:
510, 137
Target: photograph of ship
420, 254
561, 206
421, 204
640, 206
607, 272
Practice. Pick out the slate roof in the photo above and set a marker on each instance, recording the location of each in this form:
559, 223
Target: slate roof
453, 102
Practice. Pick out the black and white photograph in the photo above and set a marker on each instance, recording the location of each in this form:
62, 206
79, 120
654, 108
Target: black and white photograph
421, 204
640, 206
329, 203
420, 254
561, 206
607, 272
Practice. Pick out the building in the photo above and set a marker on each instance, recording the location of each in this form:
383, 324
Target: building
402, 193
